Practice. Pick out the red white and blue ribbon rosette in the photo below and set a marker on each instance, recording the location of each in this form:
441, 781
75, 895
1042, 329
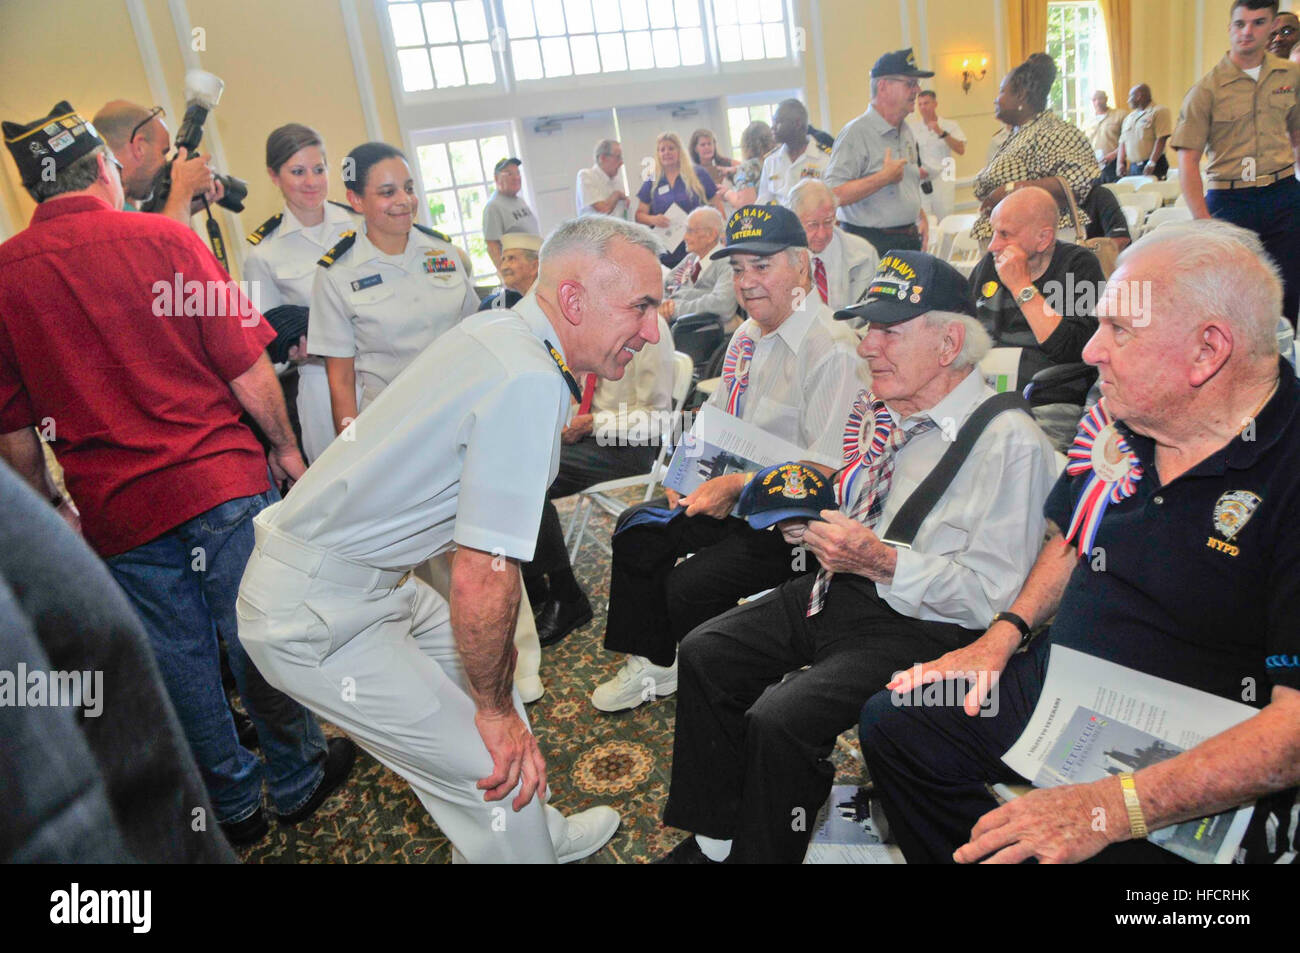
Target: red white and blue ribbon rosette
861, 448
735, 372
1100, 450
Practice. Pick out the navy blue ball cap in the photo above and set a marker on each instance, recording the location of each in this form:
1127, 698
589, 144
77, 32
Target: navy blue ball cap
762, 230
899, 63
909, 283
783, 492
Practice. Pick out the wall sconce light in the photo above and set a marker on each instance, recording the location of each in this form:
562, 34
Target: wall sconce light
970, 74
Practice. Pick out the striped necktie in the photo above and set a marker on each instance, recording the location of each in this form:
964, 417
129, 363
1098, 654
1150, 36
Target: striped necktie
869, 506
819, 276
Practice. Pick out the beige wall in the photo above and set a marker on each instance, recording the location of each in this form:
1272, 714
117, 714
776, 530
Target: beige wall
289, 60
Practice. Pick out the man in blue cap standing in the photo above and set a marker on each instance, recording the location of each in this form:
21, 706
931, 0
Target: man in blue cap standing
875, 166
765, 689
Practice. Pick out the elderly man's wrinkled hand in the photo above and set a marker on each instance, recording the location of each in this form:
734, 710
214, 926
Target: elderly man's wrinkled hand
1063, 825
842, 544
1012, 266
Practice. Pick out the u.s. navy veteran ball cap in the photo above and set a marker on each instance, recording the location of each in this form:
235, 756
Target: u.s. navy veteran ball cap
62, 136
783, 492
908, 283
762, 230
899, 63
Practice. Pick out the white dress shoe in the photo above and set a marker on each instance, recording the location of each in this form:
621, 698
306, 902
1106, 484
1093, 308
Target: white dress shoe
639, 680
585, 833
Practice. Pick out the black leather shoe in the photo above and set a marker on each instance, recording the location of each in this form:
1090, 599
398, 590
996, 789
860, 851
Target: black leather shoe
338, 765
248, 831
557, 619
687, 852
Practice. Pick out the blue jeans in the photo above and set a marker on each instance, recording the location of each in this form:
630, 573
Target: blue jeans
183, 585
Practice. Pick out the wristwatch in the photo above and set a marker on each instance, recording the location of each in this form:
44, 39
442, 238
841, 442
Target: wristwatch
1026, 294
1025, 632
943, 134
1137, 823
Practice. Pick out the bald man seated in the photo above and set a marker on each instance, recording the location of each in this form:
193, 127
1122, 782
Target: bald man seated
1036, 293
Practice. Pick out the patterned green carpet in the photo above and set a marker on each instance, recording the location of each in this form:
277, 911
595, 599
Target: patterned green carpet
623, 760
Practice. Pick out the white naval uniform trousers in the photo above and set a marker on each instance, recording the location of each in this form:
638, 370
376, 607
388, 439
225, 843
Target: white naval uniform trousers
372, 651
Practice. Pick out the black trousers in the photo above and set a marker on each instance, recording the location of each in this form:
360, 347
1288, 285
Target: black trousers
654, 603
930, 765
1272, 212
885, 239
1108, 172
755, 729
582, 464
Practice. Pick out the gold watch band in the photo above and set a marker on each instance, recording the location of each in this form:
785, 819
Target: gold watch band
1137, 824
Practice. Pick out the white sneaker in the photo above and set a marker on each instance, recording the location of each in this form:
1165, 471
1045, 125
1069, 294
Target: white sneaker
585, 833
530, 689
639, 680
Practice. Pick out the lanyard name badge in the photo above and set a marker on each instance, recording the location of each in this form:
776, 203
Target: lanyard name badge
1115, 471
574, 389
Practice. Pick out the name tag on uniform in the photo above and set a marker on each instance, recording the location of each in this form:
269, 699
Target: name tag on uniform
438, 264
663, 189
361, 284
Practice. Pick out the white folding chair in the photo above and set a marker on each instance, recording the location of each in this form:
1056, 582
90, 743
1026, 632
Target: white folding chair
1132, 215
950, 229
1163, 216
1168, 190
1120, 189
933, 232
1145, 203
1136, 180
599, 495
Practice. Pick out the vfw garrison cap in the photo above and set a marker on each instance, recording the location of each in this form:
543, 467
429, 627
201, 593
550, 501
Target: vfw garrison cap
51, 144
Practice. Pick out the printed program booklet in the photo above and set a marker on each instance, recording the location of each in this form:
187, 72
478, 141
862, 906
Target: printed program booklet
1104, 719
719, 444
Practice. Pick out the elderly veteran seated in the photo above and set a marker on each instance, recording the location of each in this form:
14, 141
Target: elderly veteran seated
518, 270
701, 284
765, 689
842, 263
1038, 294
787, 372
1200, 587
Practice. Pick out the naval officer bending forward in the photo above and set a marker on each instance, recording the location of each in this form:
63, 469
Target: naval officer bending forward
458, 450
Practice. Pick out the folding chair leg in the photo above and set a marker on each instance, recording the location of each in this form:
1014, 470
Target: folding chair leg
586, 506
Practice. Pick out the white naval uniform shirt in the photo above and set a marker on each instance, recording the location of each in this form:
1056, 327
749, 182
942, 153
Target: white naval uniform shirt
780, 174
383, 310
461, 449
973, 551
850, 265
802, 382
284, 262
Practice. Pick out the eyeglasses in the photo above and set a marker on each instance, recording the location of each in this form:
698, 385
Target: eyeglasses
909, 83
153, 114
1283, 31
113, 159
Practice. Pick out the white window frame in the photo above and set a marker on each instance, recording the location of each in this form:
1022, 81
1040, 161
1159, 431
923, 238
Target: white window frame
428, 137
1083, 111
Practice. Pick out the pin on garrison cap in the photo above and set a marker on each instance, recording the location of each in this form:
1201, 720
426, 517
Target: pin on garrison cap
909, 283
61, 136
899, 63
501, 164
762, 230
783, 492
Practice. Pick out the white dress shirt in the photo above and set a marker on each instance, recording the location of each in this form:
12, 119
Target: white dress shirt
781, 173
974, 550
850, 263
802, 382
593, 186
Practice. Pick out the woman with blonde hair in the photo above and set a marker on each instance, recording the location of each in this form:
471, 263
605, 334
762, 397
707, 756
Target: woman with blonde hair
675, 182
